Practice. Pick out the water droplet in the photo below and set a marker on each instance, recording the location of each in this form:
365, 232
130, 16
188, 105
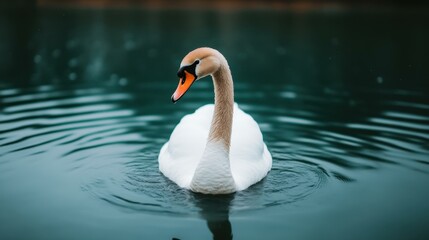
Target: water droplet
72, 76
73, 62
123, 81
37, 58
44, 88
129, 45
71, 44
288, 95
379, 80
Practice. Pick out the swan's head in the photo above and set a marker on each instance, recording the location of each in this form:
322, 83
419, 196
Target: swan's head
197, 64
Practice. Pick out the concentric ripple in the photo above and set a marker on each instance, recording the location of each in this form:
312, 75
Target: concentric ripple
107, 141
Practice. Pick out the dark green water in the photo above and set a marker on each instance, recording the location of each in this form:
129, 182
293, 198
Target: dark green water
341, 99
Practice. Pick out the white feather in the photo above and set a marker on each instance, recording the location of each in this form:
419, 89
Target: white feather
249, 158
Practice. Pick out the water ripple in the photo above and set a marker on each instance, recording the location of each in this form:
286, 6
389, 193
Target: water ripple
108, 142
65, 102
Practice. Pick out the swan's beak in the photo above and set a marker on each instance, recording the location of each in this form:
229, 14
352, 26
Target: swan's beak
184, 84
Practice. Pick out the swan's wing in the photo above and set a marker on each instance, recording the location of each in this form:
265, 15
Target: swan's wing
179, 157
249, 156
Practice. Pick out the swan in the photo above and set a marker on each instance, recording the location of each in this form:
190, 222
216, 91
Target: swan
219, 148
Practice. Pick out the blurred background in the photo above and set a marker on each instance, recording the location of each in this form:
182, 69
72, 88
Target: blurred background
335, 42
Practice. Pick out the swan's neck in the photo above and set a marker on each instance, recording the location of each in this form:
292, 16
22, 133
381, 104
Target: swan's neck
221, 127
213, 173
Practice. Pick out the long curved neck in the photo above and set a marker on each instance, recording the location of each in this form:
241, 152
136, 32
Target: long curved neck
213, 173
221, 125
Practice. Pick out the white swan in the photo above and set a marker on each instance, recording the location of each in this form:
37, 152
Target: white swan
218, 149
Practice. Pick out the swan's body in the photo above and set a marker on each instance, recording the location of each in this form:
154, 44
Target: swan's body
218, 149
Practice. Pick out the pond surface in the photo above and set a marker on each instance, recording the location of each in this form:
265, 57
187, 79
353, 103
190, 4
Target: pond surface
341, 98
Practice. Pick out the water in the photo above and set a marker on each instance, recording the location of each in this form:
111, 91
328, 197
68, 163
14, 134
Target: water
344, 111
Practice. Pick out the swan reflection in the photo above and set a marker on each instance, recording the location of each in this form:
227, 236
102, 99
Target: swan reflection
215, 210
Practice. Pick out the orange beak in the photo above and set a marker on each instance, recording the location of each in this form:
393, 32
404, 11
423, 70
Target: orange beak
184, 84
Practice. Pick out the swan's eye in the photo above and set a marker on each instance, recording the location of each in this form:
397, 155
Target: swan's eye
180, 74
190, 69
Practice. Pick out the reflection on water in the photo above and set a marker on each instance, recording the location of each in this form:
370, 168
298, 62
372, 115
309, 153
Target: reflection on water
81, 132
215, 210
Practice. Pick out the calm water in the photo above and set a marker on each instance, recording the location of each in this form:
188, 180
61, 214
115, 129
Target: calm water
341, 99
